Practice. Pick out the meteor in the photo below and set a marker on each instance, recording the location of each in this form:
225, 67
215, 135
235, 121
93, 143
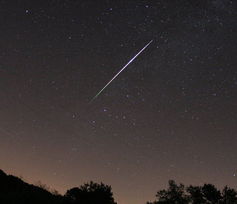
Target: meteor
130, 61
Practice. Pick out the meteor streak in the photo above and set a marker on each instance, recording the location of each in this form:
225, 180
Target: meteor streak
130, 61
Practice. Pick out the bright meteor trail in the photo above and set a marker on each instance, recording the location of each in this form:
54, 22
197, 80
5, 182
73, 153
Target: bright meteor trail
121, 70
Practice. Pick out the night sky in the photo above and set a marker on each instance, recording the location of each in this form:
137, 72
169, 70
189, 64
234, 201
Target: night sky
171, 114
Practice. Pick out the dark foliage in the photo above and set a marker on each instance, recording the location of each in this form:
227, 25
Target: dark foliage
15, 191
206, 194
90, 193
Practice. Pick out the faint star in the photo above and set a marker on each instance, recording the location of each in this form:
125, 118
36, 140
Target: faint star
105, 110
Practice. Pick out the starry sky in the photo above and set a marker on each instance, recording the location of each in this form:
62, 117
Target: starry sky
171, 114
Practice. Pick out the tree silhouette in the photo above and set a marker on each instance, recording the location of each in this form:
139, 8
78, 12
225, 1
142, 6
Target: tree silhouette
206, 194
211, 194
229, 196
90, 193
14, 190
174, 195
196, 195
